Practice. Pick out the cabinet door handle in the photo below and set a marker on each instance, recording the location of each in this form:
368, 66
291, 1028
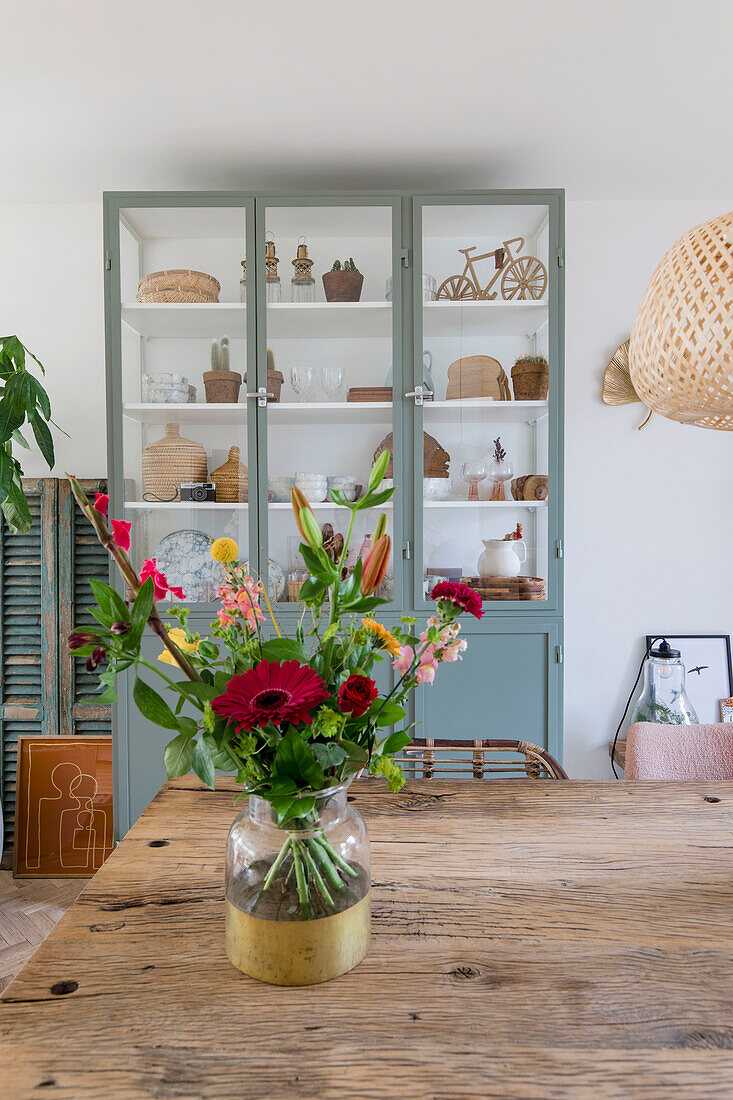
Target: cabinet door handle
421, 394
262, 395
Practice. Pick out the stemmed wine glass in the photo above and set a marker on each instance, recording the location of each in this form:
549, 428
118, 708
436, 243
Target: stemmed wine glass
303, 380
474, 471
332, 380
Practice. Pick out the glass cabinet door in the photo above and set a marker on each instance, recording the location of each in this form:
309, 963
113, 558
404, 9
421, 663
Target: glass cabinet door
486, 361
329, 296
185, 344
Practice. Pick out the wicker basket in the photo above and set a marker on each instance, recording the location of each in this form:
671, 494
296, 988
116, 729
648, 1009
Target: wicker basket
170, 461
178, 285
508, 588
231, 480
294, 588
531, 379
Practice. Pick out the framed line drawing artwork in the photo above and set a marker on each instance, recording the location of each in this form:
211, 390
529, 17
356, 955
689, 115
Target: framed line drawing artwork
708, 674
63, 806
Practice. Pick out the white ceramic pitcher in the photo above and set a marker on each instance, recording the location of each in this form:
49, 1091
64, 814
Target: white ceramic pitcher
502, 557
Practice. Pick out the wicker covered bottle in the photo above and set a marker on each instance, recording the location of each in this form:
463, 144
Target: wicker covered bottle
170, 461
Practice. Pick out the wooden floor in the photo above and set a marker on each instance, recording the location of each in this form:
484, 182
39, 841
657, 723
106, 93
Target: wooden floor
29, 908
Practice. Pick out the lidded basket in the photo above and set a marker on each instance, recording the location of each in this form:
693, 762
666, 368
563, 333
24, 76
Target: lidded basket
170, 461
231, 479
178, 285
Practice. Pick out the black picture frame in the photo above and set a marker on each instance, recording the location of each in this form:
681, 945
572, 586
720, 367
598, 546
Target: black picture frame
709, 704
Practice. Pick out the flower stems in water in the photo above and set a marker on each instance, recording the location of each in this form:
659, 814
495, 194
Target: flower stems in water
316, 864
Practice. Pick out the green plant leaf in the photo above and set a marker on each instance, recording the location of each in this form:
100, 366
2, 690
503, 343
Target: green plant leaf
209, 651
13, 353
196, 690
329, 756
143, 604
41, 396
15, 509
152, 706
394, 743
387, 714
7, 472
312, 589
284, 649
356, 755
19, 392
177, 756
44, 439
202, 764
10, 420
295, 760
19, 438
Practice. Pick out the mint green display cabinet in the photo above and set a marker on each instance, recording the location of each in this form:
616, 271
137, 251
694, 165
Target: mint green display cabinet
456, 288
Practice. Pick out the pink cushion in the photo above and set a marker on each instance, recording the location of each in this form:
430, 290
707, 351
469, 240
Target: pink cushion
658, 751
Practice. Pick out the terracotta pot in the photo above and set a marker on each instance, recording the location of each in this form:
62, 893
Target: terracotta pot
275, 379
343, 286
222, 386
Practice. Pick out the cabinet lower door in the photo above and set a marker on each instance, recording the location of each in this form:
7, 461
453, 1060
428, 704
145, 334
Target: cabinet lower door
508, 685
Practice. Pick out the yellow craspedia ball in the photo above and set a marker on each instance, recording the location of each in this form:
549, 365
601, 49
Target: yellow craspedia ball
224, 550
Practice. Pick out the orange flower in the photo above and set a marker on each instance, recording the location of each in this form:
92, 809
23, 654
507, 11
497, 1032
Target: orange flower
375, 565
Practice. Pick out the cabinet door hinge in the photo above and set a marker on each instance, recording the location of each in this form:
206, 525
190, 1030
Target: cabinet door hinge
558, 654
108, 260
558, 548
561, 257
407, 549
405, 256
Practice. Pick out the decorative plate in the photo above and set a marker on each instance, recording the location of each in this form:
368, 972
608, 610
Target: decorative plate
275, 581
185, 558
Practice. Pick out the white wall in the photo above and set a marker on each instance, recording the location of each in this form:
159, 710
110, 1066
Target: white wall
51, 297
649, 519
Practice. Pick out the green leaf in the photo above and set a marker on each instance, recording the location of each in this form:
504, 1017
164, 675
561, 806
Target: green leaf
108, 696
209, 650
44, 439
284, 649
16, 511
373, 500
10, 420
19, 392
19, 438
356, 755
202, 764
295, 760
151, 706
222, 757
318, 563
330, 755
196, 690
143, 604
109, 600
13, 353
7, 472
177, 756
41, 396
288, 807
394, 743
387, 714
312, 589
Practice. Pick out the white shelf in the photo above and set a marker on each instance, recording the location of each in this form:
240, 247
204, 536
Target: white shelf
325, 412
285, 320
482, 410
497, 318
198, 320
226, 414
214, 506
184, 506
473, 504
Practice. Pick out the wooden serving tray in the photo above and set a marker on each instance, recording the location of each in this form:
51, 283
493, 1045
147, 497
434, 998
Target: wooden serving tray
508, 588
369, 393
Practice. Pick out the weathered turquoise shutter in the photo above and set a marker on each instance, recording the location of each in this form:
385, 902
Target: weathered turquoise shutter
80, 558
44, 588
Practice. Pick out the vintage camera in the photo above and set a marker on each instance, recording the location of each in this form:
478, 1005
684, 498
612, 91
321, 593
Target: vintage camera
198, 491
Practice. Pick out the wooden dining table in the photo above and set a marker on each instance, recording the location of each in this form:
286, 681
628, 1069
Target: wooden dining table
530, 939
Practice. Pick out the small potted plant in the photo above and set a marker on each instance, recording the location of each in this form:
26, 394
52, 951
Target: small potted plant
531, 378
222, 385
343, 283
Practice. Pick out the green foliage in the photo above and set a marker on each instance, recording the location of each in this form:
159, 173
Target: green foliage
348, 265
22, 400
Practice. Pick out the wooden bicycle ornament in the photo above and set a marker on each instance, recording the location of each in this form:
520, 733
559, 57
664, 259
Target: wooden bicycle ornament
522, 277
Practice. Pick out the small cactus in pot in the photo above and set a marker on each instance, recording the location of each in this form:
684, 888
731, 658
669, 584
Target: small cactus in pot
343, 282
222, 384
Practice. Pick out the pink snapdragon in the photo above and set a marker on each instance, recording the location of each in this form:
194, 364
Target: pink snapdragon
242, 601
427, 667
450, 647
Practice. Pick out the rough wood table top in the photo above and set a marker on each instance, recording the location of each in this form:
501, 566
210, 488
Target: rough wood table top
530, 940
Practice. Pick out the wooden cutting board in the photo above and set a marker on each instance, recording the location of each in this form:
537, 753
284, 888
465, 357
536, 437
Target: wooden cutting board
477, 376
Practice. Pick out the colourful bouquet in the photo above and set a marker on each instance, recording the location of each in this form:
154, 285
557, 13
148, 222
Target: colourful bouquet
291, 716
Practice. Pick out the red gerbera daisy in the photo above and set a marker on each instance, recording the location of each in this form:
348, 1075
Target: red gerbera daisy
271, 692
460, 595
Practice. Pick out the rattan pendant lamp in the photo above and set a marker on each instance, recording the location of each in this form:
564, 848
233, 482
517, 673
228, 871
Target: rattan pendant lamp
681, 351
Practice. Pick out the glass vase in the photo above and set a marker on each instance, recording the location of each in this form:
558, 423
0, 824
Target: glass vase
298, 899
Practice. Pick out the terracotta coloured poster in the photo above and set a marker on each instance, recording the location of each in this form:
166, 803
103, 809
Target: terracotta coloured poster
63, 806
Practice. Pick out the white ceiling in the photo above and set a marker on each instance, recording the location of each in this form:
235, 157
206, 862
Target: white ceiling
608, 98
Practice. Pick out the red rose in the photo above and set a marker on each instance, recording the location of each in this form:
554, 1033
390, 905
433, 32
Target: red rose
356, 695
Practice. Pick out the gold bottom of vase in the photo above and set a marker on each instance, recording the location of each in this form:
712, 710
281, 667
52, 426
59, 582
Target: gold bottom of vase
298, 952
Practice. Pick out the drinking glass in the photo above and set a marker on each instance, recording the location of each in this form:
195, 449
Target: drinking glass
332, 380
304, 380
